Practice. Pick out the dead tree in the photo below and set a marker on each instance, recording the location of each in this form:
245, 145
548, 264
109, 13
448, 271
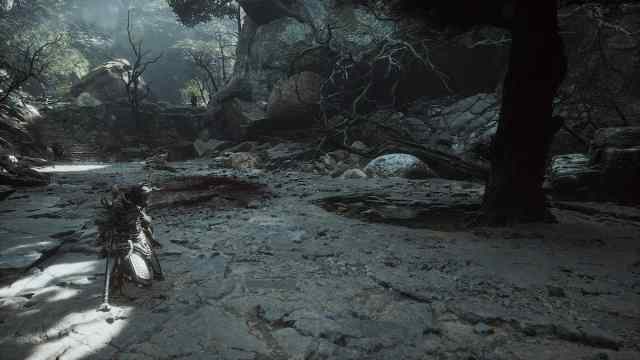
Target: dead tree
22, 65
204, 61
222, 57
132, 79
358, 87
537, 66
204, 93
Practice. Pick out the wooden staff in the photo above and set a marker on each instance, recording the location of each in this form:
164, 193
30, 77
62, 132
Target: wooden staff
107, 275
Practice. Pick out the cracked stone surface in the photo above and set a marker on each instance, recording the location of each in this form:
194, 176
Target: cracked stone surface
285, 279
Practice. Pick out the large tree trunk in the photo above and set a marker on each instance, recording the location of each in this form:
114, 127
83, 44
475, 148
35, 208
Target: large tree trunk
537, 66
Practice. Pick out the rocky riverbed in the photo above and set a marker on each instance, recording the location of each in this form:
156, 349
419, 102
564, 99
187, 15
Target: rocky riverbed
315, 267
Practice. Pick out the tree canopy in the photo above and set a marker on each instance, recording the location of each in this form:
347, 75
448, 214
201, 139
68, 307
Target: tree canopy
193, 12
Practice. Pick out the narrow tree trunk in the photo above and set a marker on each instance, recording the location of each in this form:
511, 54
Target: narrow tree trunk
239, 19
224, 65
537, 66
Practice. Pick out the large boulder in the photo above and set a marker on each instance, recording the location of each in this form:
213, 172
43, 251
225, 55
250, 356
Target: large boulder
106, 83
295, 102
264, 11
467, 126
459, 126
398, 165
616, 151
270, 51
611, 171
236, 117
572, 177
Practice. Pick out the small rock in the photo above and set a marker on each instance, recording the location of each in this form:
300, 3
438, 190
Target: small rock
241, 160
354, 159
391, 261
306, 168
286, 151
556, 291
339, 169
339, 155
483, 329
89, 234
360, 146
209, 147
329, 161
354, 174
298, 236
244, 147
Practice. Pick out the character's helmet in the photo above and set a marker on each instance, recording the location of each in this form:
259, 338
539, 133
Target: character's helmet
139, 194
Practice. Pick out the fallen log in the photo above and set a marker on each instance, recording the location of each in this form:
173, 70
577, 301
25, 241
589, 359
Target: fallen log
12, 179
446, 165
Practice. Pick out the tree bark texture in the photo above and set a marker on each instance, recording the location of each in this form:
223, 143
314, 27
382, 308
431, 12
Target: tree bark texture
526, 128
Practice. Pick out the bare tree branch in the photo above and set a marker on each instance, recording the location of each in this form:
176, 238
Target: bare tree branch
203, 62
31, 63
134, 74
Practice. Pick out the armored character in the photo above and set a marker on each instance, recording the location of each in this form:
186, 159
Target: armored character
126, 237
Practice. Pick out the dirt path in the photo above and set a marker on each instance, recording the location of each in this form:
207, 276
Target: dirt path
283, 278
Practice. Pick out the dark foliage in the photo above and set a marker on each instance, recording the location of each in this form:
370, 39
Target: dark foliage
193, 12
460, 14
22, 61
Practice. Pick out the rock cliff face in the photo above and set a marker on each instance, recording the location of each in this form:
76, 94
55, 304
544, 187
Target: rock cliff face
282, 39
17, 122
275, 44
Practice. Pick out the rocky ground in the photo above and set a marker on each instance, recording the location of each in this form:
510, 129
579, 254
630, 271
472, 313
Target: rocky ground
322, 268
